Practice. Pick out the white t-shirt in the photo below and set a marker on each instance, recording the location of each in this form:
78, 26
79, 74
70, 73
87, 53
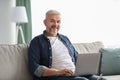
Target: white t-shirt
61, 58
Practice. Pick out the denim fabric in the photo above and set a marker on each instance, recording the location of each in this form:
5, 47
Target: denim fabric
94, 77
40, 53
64, 78
87, 77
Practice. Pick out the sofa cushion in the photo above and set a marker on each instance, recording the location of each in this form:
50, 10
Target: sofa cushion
14, 62
110, 61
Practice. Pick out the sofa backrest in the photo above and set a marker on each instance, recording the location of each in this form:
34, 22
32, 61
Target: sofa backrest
14, 62
93, 47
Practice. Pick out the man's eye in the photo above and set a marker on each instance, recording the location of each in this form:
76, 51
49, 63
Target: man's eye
58, 21
51, 21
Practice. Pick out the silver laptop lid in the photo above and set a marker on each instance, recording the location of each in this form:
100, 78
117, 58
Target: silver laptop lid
88, 64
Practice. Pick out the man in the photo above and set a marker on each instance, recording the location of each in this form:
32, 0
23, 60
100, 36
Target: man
51, 55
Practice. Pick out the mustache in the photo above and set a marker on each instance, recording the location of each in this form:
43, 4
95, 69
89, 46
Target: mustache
55, 26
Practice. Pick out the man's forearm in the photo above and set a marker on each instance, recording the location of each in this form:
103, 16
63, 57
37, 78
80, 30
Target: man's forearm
43, 71
56, 72
50, 72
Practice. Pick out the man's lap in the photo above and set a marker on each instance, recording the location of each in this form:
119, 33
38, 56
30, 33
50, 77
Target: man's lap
88, 77
94, 77
64, 78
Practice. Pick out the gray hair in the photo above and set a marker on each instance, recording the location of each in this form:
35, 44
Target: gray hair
52, 12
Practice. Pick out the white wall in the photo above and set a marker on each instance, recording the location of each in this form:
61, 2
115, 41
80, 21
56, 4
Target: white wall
82, 20
7, 29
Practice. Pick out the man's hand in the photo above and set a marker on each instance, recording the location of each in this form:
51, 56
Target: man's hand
66, 72
56, 72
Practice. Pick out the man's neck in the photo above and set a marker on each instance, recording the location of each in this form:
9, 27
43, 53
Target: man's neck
50, 35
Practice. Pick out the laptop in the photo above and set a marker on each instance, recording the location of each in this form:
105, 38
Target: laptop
88, 64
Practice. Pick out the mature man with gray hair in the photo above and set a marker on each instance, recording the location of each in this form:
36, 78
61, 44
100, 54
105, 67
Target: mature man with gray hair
52, 55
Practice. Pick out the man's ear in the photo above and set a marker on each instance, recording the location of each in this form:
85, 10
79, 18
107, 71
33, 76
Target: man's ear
44, 22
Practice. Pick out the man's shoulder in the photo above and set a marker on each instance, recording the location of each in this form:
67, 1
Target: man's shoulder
38, 37
63, 37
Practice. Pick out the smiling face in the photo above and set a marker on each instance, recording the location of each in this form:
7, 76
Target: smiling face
52, 23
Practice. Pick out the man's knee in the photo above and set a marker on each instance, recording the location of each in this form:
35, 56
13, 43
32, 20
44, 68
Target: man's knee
80, 78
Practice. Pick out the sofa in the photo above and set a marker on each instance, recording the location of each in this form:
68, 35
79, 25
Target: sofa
110, 58
14, 60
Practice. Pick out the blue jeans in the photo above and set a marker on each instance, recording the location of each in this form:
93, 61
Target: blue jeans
64, 78
94, 77
88, 77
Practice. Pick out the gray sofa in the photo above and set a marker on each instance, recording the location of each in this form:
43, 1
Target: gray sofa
14, 61
109, 71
